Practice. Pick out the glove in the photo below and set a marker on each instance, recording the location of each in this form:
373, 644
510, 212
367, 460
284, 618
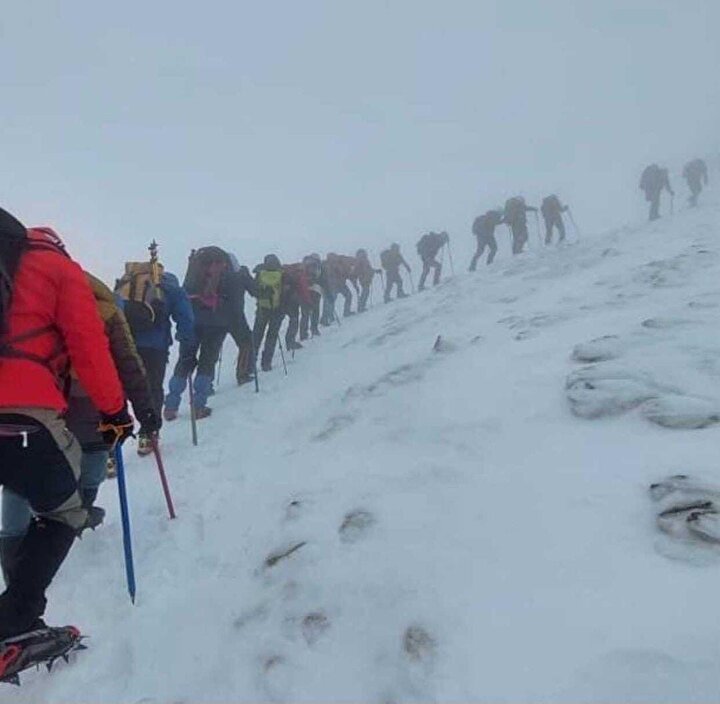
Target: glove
117, 428
149, 421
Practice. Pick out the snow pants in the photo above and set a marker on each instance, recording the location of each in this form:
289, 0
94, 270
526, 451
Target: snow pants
519, 236
40, 462
310, 316
483, 242
203, 353
428, 264
155, 362
267, 321
393, 278
551, 222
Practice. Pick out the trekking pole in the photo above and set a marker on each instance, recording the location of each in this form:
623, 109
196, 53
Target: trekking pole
452, 267
163, 477
574, 224
125, 516
282, 356
193, 420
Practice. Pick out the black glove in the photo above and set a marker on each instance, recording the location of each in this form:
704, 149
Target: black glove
117, 428
149, 421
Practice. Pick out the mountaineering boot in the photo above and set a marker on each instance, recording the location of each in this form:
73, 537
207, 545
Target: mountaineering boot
202, 412
266, 367
40, 645
170, 414
145, 445
293, 345
39, 557
8, 555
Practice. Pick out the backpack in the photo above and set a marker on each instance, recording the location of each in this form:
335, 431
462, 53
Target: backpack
207, 270
14, 242
650, 176
423, 243
143, 300
514, 207
269, 289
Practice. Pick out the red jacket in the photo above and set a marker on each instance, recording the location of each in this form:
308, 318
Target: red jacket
51, 295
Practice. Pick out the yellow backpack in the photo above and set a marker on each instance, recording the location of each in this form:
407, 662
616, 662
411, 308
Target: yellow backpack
270, 289
141, 295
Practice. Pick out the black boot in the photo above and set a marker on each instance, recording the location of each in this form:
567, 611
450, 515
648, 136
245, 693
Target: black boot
39, 557
8, 556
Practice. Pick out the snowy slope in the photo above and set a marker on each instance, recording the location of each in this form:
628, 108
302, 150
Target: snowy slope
467, 535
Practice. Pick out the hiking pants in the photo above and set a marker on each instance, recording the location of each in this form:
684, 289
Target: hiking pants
292, 310
242, 336
345, 292
393, 278
552, 221
519, 236
653, 197
430, 263
155, 362
483, 242
328, 308
364, 294
39, 461
267, 320
202, 353
695, 186
310, 316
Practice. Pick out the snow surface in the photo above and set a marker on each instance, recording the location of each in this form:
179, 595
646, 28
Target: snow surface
474, 515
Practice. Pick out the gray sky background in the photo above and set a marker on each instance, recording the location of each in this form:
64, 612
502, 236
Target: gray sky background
329, 125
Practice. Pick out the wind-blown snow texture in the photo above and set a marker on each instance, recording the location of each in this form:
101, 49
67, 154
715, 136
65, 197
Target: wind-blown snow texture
473, 521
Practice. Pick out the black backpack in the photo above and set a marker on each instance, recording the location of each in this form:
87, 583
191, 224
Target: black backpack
13, 243
206, 276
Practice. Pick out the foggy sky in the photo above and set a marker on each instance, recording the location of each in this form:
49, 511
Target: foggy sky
329, 125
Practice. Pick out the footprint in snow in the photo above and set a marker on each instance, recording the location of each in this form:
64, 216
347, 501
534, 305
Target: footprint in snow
418, 645
355, 525
600, 349
314, 626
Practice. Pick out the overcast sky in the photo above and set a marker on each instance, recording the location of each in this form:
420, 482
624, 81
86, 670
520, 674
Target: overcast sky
329, 125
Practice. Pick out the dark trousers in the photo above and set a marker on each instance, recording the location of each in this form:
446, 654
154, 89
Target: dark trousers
695, 186
364, 294
520, 236
393, 278
204, 352
292, 310
551, 222
242, 336
428, 264
267, 320
653, 198
483, 242
155, 362
345, 292
310, 316
40, 462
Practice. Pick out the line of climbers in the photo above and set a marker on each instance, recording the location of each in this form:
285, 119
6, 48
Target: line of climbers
654, 180
73, 353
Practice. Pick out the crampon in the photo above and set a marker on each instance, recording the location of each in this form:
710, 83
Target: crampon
34, 648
